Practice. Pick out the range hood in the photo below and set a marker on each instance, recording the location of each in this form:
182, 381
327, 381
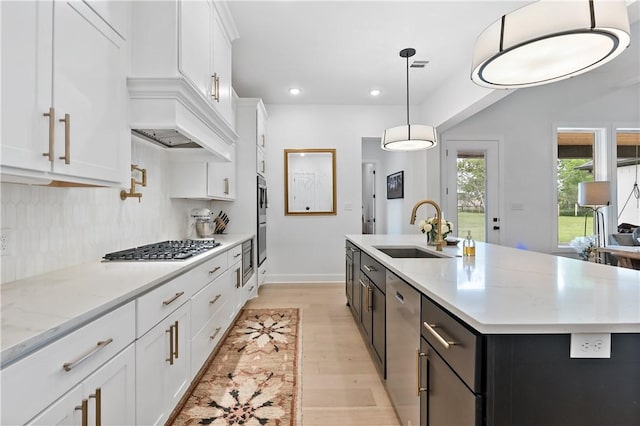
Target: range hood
170, 113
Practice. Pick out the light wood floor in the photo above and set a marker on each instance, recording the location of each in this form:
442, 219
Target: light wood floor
340, 384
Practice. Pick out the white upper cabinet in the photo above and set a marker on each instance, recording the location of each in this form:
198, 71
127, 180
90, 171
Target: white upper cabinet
181, 63
204, 53
64, 98
196, 45
222, 68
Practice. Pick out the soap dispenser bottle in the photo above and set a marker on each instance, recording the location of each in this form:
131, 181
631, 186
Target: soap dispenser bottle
468, 246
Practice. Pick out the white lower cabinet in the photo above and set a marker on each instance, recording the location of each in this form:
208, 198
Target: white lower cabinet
211, 309
107, 397
101, 374
163, 367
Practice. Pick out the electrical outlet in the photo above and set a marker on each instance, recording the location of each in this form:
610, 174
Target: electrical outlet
590, 345
5, 242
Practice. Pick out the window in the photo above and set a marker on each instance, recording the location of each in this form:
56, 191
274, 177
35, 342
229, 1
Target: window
575, 164
627, 175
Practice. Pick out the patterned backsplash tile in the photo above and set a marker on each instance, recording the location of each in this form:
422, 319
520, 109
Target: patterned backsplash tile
53, 228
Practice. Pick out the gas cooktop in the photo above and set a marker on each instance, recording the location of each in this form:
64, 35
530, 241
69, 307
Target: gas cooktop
163, 251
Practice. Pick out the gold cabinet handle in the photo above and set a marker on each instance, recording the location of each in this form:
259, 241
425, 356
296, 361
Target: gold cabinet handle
369, 268
173, 299
68, 366
262, 137
263, 168
170, 331
215, 299
214, 270
218, 88
431, 328
215, 333
238, 278
215, 87
176, 337
418, 356
98, 397
226, 186
369, 299
85, 412
67, 138
52, 132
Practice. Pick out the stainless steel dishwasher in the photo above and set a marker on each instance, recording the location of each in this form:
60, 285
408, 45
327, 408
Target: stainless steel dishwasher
403, 343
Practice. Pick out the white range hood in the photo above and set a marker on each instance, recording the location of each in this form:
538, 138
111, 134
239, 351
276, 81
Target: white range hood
170, 113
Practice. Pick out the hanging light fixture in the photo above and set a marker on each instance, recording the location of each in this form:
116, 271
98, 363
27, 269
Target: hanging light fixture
409, 137
549, 41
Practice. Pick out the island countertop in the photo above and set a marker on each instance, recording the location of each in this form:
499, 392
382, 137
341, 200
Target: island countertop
42, 308
503, 290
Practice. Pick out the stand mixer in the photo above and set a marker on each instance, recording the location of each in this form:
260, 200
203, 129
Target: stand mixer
205, 225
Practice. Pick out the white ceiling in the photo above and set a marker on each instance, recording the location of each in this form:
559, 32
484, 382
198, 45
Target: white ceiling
337, 51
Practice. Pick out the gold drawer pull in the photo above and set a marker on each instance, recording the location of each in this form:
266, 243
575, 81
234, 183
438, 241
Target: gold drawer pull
52, 132
431, 328
173, 299
215, 299
67, 138
170, 331
418, 356
85, 412
176, 337
214, 270
369, 268
68, 366
213, 336
98, 396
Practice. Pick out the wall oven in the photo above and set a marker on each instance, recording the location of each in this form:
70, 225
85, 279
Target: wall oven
262, 220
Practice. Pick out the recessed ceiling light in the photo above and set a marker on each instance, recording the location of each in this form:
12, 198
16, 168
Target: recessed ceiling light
374, 92
294, 91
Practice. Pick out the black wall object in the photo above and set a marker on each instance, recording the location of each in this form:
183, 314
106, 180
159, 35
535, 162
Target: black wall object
395, 185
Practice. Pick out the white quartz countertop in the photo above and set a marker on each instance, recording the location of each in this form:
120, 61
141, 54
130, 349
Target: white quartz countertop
42, 308
504, 290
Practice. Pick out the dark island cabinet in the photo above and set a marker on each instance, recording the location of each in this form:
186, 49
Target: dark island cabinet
352, 274
365, 290
473, 379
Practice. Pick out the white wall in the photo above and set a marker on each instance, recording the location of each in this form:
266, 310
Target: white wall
526, 119
311, 248
53, 228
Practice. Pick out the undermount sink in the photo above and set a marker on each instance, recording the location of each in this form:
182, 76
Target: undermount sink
408, 252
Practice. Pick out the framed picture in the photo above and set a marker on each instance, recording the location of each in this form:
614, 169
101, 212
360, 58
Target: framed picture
395, 185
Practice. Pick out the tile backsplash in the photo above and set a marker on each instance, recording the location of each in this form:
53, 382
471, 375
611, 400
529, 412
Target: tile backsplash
52, 228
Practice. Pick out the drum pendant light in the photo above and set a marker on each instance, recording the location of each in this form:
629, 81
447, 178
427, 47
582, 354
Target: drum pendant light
409, 137
549, 41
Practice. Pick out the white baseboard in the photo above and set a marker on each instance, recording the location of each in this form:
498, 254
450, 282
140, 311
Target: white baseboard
304, 279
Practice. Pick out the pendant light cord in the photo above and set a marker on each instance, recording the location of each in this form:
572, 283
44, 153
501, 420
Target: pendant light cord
407, 90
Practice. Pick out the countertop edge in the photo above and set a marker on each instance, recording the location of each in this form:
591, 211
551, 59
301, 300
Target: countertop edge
453, 255
15, 352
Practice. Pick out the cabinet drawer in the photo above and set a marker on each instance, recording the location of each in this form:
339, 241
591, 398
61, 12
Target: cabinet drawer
211, 269
234, 254
208, 301
205, 341
440, 329
374, 270
33, 383
154, 306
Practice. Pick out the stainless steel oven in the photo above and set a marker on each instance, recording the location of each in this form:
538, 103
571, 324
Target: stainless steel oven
247, 261
262, 220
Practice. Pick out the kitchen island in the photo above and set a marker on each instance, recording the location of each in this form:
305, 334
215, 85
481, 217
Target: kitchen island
526, 334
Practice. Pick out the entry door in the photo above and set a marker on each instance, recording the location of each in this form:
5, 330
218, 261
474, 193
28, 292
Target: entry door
473, 188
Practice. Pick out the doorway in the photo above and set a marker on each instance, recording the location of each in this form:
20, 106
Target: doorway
472, 189
368, 198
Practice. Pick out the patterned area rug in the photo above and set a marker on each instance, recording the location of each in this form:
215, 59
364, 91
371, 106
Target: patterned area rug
253, 379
